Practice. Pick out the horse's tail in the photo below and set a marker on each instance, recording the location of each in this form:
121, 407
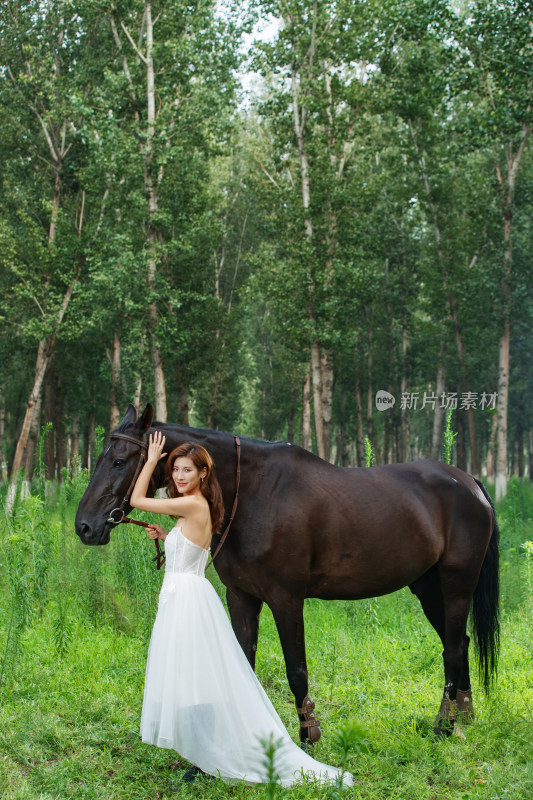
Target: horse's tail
485, 606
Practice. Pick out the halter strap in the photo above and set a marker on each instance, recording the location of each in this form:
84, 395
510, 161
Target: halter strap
119, 511
141, 443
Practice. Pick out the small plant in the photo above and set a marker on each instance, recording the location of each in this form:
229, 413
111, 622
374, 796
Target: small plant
271, 784
350, 738
61, 628
370, 456
100, 438
372, 612
449, 438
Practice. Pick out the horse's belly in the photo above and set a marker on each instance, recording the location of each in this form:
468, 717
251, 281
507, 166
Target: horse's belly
352, 580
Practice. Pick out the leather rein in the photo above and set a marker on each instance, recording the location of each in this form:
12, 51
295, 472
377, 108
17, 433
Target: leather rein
116, 516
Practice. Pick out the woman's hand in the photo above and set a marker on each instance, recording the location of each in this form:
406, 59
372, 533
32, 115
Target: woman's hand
156, 443
156, 532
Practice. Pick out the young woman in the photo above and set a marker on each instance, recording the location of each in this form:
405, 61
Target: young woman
201, 697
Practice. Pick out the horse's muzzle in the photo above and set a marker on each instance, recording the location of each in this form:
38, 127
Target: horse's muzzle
92, 536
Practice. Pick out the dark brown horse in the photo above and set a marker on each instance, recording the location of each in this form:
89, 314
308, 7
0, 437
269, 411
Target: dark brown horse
305, 528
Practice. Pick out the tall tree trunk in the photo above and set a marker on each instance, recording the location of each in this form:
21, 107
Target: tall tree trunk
55, 135
521, 454
507, 191
183, 400
306, 411
387, 432
137, 395
58, 428
360, 434
403, 390
436, 436
321, 362
502, 467
317, 398
326, 374
370, 399
491, 449
153, 205
43, 359
448, 293
114, 418
74, 441
86, 453
33, 438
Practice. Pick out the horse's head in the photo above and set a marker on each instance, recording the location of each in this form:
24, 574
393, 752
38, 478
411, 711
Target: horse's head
112, 478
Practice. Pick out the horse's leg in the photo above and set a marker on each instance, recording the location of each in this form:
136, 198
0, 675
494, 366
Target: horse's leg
429, 592
456, 599
245, 610
289, 618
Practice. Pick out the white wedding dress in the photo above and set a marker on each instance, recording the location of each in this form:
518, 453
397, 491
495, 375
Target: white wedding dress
201, 697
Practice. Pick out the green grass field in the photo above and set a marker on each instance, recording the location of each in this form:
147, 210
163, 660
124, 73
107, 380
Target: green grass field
74, 629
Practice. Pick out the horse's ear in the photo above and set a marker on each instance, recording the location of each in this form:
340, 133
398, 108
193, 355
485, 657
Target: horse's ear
129, 417
147, 416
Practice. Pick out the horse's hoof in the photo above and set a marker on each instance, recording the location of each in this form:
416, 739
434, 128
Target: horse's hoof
309, 725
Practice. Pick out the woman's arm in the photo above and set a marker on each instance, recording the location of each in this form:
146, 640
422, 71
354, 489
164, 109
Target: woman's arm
156, 442
173, 506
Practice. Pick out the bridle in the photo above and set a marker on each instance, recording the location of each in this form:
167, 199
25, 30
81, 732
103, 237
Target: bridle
116, 516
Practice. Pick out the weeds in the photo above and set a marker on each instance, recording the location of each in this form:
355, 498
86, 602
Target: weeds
71, 691
370, 456
270, 745
449, 438
350, 738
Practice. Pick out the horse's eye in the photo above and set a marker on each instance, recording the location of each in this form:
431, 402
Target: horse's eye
118, 463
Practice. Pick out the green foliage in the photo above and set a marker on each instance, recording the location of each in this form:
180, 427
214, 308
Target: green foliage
269, 762
187, 235
100, 439
449, 438
72, 677
370, 455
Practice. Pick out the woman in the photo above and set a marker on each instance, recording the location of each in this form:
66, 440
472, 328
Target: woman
201, 697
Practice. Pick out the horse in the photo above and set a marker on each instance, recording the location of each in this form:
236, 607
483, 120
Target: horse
305, 528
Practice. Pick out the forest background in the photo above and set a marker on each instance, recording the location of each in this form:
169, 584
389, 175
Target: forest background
280, 260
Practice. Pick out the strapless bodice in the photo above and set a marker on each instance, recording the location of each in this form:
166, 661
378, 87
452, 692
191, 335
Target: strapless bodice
182, 555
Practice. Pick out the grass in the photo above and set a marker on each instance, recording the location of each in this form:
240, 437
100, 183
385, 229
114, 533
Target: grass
74, 629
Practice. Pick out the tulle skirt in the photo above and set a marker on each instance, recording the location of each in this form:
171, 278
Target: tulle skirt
202, 698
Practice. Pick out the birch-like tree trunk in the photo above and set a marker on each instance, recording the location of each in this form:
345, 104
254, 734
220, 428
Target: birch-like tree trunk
448, 294
152, 181
306, 411
438, 416
44, 355
115, 382
507, 189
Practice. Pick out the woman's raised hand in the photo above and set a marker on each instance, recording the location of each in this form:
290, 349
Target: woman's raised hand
156, 442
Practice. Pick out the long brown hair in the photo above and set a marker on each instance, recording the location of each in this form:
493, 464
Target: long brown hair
209, 486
